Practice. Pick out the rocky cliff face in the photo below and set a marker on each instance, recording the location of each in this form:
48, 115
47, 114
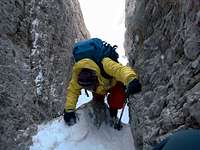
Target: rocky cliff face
163, 41
36, 38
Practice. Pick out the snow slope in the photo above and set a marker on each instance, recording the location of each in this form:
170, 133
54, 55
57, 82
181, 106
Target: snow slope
56, 135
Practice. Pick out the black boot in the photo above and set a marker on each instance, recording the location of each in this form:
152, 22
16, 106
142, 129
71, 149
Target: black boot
113, 117
113, 113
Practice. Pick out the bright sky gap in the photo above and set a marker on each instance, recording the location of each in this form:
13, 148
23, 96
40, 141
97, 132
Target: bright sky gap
105, 19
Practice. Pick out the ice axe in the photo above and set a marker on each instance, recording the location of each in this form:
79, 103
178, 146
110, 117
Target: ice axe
118, 125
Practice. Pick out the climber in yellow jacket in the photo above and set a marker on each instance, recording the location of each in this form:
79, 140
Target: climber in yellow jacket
86, 74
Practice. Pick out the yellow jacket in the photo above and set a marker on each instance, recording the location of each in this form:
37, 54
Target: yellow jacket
119, 72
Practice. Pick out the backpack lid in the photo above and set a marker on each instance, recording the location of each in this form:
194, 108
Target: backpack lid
95, 49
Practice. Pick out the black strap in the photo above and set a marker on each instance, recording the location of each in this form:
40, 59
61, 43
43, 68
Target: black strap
86, 92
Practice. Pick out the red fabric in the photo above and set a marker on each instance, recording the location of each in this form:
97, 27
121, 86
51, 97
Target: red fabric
117, 96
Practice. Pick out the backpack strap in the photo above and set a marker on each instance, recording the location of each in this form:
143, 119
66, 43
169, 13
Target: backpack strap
113, 55
103, 73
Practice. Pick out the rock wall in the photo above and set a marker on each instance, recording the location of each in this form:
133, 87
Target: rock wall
36, 38
162, 42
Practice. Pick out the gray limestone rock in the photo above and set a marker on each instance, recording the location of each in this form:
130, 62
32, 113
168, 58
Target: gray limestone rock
36, 39
162, 38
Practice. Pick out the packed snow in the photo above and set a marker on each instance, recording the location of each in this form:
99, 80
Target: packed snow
56, 135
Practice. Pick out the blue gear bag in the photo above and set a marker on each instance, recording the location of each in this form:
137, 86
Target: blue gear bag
95, 49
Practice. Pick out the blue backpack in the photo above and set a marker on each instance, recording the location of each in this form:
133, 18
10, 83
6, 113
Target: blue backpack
95, 49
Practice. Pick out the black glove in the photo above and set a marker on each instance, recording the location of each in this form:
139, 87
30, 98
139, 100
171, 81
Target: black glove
134, 87
70, 118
